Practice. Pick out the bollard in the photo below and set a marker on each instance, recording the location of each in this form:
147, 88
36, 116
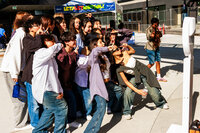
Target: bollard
163, 29
138, 27
159, 28
188, 31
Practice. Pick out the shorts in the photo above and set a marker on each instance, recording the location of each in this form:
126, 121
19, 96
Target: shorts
153, 56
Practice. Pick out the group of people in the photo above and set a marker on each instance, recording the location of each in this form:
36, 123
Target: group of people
79, 71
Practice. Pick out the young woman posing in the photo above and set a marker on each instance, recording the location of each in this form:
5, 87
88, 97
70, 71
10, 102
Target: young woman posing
81, 38
97, 87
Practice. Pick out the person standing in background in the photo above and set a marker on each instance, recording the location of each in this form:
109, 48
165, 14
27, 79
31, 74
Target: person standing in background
3, 37
152, 47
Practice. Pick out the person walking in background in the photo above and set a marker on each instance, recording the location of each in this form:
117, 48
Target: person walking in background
152, 47
125, 34
3, 37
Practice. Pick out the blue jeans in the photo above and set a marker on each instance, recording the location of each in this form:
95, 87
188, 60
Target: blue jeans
53, 109
115, 96
85, 93
71, 102
153, 56
33, 107
129, 95
95, 124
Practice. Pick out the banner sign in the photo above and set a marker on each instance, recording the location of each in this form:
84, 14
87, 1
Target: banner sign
86, 8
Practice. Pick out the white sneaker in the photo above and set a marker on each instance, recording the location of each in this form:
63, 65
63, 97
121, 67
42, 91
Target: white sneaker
165, 106
32, 127
68, 131
128, 117
89, 117
67, 126
75, 124
23, 128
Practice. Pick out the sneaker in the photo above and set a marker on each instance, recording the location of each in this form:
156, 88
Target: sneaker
128, 117
89, 117
23, 128
161, 79
32, 127
165, 106
75, 124
131, 107
68, 131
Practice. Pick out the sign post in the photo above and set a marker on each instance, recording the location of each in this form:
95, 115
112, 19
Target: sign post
188, 44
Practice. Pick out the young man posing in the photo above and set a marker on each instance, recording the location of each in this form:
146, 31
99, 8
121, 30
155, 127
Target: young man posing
152, 47
66, 60
47, 89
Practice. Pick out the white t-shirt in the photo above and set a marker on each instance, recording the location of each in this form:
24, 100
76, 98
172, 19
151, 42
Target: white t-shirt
106, 73
131, 63
81, 74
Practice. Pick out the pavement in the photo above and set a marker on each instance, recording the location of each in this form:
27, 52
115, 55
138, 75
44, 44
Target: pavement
145, 118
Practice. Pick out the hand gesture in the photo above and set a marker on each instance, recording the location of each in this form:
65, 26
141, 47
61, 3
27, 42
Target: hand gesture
76, 49
15, 79
110, 48
124, 45
40, 31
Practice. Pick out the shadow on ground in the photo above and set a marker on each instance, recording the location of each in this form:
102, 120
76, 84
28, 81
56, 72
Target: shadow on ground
171, 53
115, 119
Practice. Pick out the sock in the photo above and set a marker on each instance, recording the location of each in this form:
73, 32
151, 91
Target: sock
158, 76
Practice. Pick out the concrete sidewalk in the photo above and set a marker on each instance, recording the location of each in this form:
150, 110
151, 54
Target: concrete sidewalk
167, 39
146, 119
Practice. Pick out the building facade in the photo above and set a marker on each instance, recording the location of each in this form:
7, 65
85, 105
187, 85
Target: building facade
169, 12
